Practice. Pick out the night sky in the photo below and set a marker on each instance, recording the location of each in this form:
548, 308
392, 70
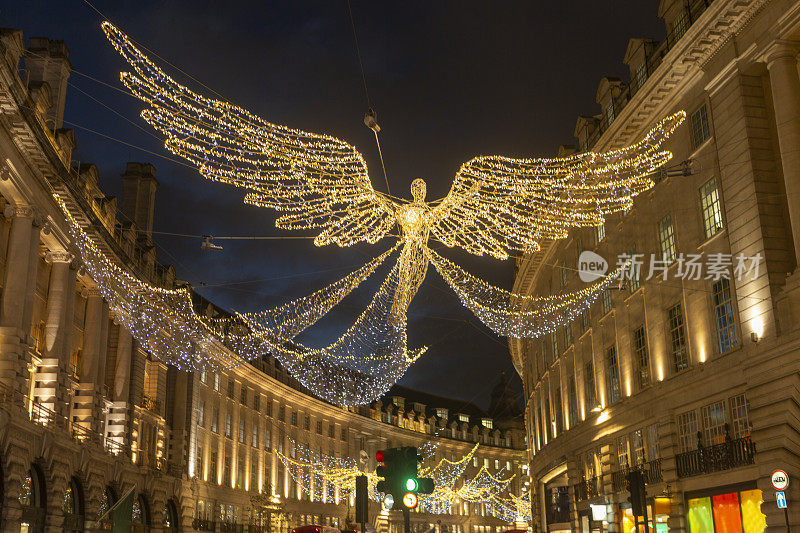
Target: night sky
449, 80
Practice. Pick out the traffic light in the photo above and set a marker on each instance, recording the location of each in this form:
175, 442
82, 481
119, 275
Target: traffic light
399, 472
638, 495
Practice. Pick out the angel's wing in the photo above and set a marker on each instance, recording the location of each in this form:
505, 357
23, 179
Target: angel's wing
498, 204
320, 181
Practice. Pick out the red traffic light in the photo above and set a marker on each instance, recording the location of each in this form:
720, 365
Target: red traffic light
379, 456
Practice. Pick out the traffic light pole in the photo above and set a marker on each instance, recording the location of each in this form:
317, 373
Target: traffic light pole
406, 520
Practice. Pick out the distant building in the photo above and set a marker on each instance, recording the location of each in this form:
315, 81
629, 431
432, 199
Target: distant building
691, 379
86, 412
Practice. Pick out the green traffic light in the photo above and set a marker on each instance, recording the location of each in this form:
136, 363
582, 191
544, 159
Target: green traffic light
411, 484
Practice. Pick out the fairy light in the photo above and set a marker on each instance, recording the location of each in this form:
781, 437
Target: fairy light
496, 205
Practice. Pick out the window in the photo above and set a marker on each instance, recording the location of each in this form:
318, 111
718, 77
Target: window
475, 461
554, 343
243, 399
212, 465
637, 448
679, 27
203, 376
343, 434
281, 441
267, 438
282, 413
641, 357
640, 76
441, 412
216, 382
463, 418
269, 407
600, 232
606, 301
740, 416
573, 402
568, 334
652, 442
709, 205
623, 459
700, 128
319, 427
215, 420
201, 415
228, 425
231, 384
488, 423
294, 418
331, 429
588, 381
610, 112
585, 319
227, 471
254, 436
723, 315
666, 239
677, 337
240, 473
714, 420
559, 411
633, 271
256, 401
612, 376
687, 430
307, 423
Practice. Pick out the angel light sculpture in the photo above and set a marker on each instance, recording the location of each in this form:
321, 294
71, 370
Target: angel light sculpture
496, 205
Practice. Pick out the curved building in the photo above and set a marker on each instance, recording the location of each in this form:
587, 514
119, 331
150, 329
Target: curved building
87, 415
687, 370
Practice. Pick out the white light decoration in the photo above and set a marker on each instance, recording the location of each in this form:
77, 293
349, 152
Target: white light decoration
321, 476
496, 205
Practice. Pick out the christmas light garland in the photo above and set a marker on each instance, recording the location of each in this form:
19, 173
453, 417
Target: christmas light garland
496, 204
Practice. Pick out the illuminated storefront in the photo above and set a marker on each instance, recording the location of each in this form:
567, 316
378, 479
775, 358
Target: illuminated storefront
657, 514
734, 509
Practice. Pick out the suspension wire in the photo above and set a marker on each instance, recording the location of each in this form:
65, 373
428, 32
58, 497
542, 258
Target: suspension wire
366, 94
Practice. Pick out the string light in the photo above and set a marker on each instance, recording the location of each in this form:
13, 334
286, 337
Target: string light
513, 315
496, 204
322, 476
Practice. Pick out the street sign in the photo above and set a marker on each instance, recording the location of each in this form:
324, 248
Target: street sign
780, 498
780, 480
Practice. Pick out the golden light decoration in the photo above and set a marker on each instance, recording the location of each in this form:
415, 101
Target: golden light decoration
496, 205
322, 477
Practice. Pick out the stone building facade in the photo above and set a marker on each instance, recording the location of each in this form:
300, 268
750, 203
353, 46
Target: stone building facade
86, 413
692, 379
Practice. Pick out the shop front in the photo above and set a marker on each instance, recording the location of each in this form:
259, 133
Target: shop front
658, 510
731, 509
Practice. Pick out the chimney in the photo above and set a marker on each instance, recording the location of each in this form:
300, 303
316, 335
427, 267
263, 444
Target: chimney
138, 196
48, 62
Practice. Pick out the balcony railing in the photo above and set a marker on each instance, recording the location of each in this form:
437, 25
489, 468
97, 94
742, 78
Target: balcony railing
732, 453
651, 472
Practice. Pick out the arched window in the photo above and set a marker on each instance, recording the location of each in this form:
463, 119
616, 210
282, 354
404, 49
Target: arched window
141, 514
170, 519
73, 506
32, 498
107, 499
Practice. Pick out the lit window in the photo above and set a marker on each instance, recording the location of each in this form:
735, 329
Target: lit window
687, 430
714, 420
700, 127
612, 378
601, 231
497, 464
254, 436
666, 238
463, 418
228, 425
679, 27
441, 412
709, 204
740, 416
637, 447
216, 382
488, 423
641, 357
723, 315
622, 451
677, 336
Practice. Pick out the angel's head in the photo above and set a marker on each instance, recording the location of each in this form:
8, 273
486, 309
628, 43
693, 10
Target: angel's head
418, 190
